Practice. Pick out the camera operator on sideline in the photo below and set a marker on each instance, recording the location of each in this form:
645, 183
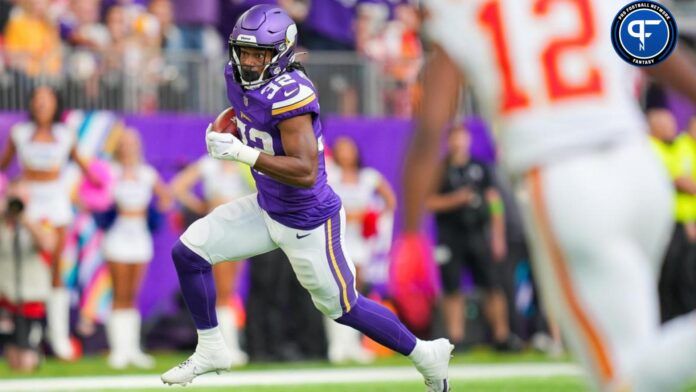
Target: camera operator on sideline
25, 279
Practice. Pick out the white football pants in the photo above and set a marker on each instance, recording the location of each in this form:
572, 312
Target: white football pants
598, 224
241, 229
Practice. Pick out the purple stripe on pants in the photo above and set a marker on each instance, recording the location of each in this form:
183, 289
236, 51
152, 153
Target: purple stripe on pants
337, 263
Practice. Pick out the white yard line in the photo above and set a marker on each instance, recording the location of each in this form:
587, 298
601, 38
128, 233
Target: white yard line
292, 377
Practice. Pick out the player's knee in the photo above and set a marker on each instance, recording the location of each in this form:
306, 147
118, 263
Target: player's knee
186, 260
328, 307
198, 233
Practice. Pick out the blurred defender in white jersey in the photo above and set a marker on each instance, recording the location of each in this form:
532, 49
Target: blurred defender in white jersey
596, 200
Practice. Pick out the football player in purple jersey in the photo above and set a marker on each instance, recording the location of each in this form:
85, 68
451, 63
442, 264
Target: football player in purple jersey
280, 137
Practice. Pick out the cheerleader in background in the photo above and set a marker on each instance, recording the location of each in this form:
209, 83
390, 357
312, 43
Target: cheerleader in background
128, 247
223, 181
357, 186
44, 145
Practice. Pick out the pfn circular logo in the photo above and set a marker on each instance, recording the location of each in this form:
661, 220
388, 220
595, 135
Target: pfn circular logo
644, 33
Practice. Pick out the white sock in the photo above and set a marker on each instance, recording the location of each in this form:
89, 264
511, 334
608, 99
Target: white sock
117, 329
133, 318
210, 340
58, 318
419, 351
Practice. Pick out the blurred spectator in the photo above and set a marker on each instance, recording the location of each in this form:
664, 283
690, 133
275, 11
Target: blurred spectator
125, 50
44, 145
116, 64
32, 40
6, 7
81, 28
190, 48
136, 17
128, 248
230, 10
388, 32
171, 38
677, 282
106, 4
197, 21
132, 60
327, 25
297, 9
25, 279
470, 232
181, 67
223, 181
357, 186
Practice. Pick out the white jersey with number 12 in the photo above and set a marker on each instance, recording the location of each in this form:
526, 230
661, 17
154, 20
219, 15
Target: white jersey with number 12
544, 71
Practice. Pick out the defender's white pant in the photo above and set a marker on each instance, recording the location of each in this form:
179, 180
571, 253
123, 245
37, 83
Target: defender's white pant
598, 224
241, 229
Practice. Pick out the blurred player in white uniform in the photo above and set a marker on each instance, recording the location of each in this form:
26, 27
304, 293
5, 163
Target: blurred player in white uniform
222, 181
128, 248
597, 202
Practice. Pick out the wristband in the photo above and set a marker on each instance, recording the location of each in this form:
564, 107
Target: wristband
248, 155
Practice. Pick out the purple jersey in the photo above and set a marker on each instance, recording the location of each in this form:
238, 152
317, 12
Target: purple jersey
259, 112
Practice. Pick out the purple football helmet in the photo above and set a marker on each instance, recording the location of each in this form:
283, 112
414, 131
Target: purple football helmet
263, 27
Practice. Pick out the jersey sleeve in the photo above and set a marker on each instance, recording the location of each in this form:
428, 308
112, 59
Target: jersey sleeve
295, 99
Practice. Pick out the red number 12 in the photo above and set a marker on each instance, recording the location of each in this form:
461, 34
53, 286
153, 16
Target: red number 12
558, 87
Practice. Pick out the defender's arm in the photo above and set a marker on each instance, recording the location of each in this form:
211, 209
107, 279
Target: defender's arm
441, 86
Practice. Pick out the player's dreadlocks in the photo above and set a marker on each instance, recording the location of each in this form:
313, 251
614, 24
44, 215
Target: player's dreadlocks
298, 66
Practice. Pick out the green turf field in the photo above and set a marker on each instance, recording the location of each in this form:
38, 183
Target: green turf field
95, 366
559, 384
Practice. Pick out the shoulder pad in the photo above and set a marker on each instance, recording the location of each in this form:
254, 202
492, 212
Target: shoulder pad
288, 92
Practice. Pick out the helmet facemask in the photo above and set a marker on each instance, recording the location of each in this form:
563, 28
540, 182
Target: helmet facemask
281, 56
248, 75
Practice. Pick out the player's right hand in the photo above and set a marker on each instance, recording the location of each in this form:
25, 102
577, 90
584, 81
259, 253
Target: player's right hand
222, 145
228, 147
